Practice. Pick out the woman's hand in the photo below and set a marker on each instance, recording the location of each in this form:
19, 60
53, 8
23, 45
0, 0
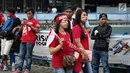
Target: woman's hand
84, 55
53, 50
61, 42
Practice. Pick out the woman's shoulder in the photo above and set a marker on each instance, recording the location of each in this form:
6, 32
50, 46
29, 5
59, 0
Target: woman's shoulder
76, 27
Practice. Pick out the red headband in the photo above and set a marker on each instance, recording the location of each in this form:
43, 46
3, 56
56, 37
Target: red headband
61, 17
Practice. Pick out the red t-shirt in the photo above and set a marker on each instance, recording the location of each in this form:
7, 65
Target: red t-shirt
2, 19
28, 35
76, 33
57, 58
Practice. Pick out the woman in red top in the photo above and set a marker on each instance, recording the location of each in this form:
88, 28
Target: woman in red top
80, 37
57, 46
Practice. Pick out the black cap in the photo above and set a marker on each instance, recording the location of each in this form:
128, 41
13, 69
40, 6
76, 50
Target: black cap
103, 15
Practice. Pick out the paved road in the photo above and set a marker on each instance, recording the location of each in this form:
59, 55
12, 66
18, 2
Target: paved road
35, 69
39, 69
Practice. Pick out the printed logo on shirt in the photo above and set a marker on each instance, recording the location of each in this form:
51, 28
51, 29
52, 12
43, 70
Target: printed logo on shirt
24, 30
27, 28
30, 23
38, 25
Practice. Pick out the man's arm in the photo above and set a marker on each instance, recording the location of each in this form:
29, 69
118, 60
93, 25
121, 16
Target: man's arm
17, 25
35, 27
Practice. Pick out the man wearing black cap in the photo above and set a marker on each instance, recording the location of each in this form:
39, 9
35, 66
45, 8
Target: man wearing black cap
101, 35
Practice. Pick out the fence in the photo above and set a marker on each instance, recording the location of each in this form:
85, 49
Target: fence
46, 18
91, 16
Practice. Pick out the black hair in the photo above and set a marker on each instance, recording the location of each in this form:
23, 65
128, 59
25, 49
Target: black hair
78, 20
103, 15
77, 6
69, 7
56, 24
32, 10
68, 29
57, 27
11, 10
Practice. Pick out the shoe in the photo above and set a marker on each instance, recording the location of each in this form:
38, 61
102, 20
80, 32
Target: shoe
13, 67
27, 71
5, 68
1, 66
18, 71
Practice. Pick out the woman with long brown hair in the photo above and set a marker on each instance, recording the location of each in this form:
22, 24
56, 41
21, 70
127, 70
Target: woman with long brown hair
81, 39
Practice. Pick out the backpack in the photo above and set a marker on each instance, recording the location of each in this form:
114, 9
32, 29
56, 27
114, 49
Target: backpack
6, 30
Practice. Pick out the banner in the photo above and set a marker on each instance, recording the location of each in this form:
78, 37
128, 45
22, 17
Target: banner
40, 48
119, 48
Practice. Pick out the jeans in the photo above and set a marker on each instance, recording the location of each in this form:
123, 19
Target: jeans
0, 59
87, 68
12, 57
26, 49
68, 70
97, 55
62, 70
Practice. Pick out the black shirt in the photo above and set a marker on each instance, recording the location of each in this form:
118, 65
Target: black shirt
103, 35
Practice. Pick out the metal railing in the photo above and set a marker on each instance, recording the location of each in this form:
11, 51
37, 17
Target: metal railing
46, 19
91, 16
